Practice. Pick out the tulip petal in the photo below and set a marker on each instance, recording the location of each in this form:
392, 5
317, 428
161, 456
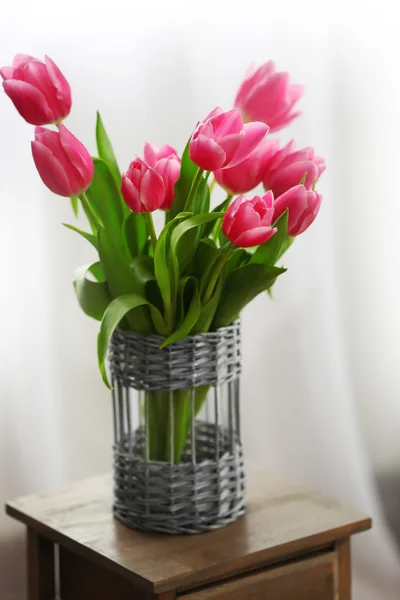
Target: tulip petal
295, 201
253, 134
310, 215
130, 194
255, 237
152, 190
51, 170
287, 178
77, 155
29, 102
63, 90
206, 153
229, 217
150, 154
36, 73
226, 123
252, 79
21, 59
230, 144
7, 72
245, 218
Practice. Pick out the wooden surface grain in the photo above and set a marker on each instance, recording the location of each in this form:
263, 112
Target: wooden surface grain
310, 579
283, 520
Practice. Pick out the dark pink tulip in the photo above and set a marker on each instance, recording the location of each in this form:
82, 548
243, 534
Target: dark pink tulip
142, 187
39, 91
64, 164
302, 205
269, 97
249, 173
247, 223
167, 163
288, 166
222, 141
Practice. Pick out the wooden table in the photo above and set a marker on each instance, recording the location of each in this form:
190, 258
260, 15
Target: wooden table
292, 544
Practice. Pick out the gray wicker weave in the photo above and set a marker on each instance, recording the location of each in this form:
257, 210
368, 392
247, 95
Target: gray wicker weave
205, 490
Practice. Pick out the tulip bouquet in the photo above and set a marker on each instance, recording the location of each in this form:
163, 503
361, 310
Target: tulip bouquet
205, 265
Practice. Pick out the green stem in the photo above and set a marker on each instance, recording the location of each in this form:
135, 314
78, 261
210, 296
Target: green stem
212, 185
217, 272
152, 231
193, 189
89, 212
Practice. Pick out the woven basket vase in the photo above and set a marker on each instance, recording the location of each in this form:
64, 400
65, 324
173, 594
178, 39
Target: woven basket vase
178, 459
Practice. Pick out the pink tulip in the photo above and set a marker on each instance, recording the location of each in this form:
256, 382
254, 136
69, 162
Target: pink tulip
142, 187
248, 222
249, 173
221, 140
288, 167
303, 206
39, 91
167, 163
269, 97
64, 164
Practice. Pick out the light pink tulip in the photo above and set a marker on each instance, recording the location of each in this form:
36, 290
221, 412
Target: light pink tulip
288, 166
269, 97
303, 206
64, 164
248, 222
142, 187
249, 173
221, 140
39, 91
167, 163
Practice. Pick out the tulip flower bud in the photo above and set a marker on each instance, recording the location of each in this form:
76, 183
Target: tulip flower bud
166, 162
302, 205
39, 91
248, 222
221, 140
64, 164
142, 187
269, 97
288, 167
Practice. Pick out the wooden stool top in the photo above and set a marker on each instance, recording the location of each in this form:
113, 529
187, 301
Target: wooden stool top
282, 521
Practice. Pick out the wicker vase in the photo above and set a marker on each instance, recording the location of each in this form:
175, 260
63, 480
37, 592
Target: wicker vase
178, 459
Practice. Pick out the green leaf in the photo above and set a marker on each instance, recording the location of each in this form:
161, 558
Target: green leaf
203, 261
135, 231
75, 205
184, 183
207, 312
88, 236
183, 248
220, 208
270, 252
116, 311
121, 279
106, 151
241, 286
96, 270
105, 198
93, 296
162, 269
188, 287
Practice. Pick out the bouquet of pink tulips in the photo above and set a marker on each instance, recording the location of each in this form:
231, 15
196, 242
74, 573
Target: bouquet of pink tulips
199, 272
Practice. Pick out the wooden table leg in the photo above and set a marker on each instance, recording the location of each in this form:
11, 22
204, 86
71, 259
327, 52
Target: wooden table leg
343, 569
41, 584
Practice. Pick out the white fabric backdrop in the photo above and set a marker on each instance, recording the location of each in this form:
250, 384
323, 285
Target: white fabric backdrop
320, 384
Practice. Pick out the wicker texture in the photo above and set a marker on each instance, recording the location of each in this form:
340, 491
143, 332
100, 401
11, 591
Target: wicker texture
206, 489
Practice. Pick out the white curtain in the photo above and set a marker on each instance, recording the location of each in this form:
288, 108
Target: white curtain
321, 382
